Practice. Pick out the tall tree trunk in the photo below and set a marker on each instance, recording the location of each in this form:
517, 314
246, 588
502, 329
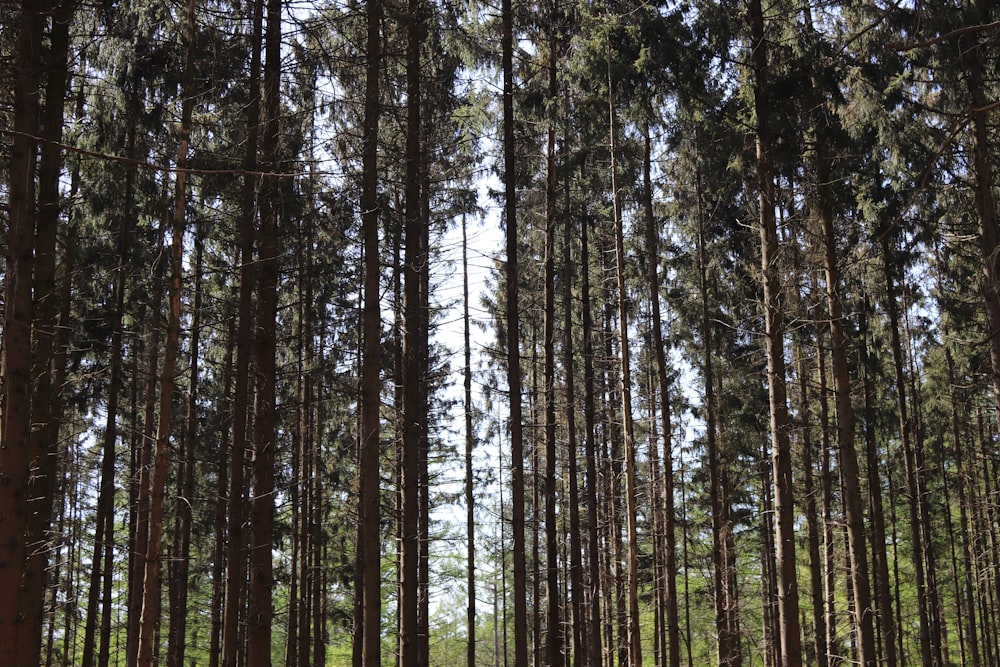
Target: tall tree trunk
151, 577
812, 522
142, 464
906, 436
412, 380
512, 274
788, 590
221, 488
261, 607
177, 632
726, 607
625, 387
15, 410
554, 641
880, 559
663, 385
594, 652
106, 489
46, 394
368, 596
569, 361
848, 457
470, 442
235, 560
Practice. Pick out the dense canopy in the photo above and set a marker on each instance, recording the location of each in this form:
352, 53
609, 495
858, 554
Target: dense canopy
564, 333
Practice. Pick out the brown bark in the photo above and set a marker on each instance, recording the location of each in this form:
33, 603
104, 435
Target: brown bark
16, 454
260, 612
625, 388
180, 562
470, 441
554, 640
46, 394
590, 451
235, 560
368, 595
512, 275
663, 385
412, 373
788, 593
151, 576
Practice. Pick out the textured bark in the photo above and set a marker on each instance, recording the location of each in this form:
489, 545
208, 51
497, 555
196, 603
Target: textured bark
181, 558
625, 388
368, 594
553, 640
235, 559
46, 395
590, 451
151, 576
663, 385
788, 593
512, 275
470, 442
15, 412
260, 612
412, 377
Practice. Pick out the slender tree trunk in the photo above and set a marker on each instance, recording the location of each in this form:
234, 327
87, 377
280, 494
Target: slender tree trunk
151, 577
848, 457
235, 560
625, 387
906, 436
106, 489
512, 274
880, 560
594, 652
260, 612
727, 648
553, 641
45, 414
221, 486
470, 442
15, 403
140, 500
412, 379
788, 593
569, 361
663, 385
368, 596
812, 523
177, 633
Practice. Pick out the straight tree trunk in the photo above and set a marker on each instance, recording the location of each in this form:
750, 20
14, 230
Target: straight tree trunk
553, 641
470, 442
663, 385
180, 568
412, 380
880, 559
106, 489
151, 576
235, 559
260, 612
906, 436
45, 414
594, 652
788, 592
368, 595
850, 470
15, 404
625, 387
569, 360
512, 274
812, 522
